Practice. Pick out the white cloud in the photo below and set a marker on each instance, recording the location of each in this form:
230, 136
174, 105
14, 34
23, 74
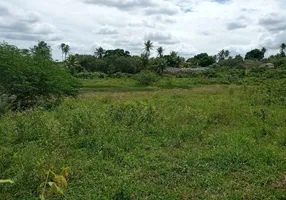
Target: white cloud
106, 30
186, 26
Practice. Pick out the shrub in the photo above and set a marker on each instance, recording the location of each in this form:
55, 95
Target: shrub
274, 92
90, 75
33, 80
147, 78
119, 75
5, 103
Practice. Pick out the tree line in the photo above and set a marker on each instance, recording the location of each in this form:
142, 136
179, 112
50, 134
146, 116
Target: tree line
30, 77
120, 60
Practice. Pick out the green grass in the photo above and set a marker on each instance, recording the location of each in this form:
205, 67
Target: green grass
193, 142
132, 85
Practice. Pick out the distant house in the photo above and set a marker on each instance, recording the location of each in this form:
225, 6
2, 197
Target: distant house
268, 65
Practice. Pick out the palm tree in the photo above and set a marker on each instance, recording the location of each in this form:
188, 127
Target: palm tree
264, 50
73, 65
160, 51
148, 46
220, 55
99, 52
66, 50
226, 53
62, 47
282, 48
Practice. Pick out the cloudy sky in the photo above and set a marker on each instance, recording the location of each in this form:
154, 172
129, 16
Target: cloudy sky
186, 26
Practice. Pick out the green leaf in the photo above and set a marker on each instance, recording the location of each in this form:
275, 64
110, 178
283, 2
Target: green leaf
7, 181
55, 189
42, 197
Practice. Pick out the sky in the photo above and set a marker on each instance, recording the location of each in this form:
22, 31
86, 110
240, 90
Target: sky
188, 27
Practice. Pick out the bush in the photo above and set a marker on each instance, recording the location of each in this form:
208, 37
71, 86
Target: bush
5, 103
120, 75
147, 78
33, 80
90, 75
274, 92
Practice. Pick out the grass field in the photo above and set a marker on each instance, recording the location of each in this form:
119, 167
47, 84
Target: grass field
173, 140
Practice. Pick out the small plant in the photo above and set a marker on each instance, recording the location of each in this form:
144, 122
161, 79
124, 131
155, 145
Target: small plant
147, 78
55, 184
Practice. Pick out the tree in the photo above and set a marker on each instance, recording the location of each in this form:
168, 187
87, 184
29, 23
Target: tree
148, 46
282, 48
220, 55
42, 50
33, 81
263, 50
239, 58
73, 64
145, 56
223, 54
158, 65
66, 50
202, 59
124, 65
145, 59
173, 60
226, 54
62, 47
99, 52
255, 54
160, 51
116, 53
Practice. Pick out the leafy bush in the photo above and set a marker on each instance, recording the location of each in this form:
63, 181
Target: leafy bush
147, 78
5, 102
33, 80
120, 75
90, 75
274, 92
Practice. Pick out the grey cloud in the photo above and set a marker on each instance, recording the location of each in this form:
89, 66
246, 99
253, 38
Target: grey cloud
152, 22
166, 10
161, 38
31, 17
27, 26
163, 19
273, 22
106, 30
235, 25
30, 37
24, 27
205, 33
122, 5
4, 11
248, 10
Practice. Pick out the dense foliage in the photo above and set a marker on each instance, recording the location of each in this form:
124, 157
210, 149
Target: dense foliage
202, 60
33, 79
255, 54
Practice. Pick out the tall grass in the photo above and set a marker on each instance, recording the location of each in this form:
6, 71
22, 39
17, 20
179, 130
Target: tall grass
212, 142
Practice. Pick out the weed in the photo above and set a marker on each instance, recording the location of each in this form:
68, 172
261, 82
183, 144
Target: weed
55, 184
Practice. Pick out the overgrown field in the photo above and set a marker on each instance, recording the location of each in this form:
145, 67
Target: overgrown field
193, 142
